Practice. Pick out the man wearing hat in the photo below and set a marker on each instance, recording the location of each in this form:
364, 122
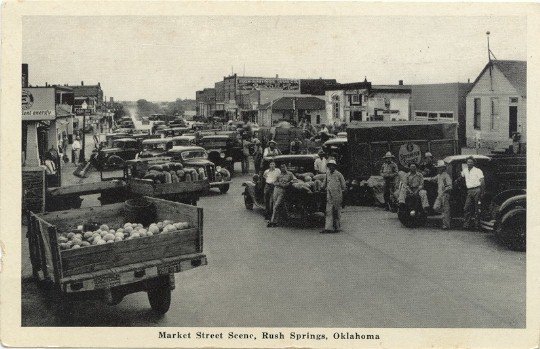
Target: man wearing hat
334, 183
257, 154
414, 185
320, 163
271, 150
389, 171
428, 168
444, 187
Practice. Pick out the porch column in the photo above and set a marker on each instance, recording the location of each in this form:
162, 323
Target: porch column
32, 153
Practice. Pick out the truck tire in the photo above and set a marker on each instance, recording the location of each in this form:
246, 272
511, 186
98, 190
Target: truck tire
248, 200
160, 299
512, 230
410, 221
224, 188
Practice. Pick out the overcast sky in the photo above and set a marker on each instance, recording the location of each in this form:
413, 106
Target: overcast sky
164, 58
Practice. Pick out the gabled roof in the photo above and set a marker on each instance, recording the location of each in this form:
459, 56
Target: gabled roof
514, 71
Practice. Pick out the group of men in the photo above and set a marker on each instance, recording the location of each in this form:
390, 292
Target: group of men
276, 182
413, 184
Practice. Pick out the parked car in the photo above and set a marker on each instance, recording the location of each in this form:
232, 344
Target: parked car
177, 123
337, 148
155, 147
121, 149
299, 203
197, 157
222, 149
172, 131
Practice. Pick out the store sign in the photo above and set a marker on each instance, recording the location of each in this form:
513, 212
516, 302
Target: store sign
252, 84
38, 104
82, 111
410, 153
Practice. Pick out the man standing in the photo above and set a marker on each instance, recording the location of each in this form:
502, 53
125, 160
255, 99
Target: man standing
76, 148
444, 187
335, 185
428, 166
64, 148
257, 154
414, 185
389, 171
474, 180
320, 163
270, 176
283, 181
245, 153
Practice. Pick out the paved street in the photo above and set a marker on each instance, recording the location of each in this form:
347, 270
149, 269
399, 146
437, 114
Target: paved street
374, 274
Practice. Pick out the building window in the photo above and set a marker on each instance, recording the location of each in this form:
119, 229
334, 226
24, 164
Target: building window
318, 120
477, 114
494, 113
420, 115
513, 100
446, 116
356, 99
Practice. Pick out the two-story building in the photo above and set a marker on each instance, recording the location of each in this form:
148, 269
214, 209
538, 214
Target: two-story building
497, 104
293, 109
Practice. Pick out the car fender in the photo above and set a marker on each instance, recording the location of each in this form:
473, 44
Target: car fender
510, 203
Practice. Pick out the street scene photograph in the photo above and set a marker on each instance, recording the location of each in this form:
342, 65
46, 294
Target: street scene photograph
355, 172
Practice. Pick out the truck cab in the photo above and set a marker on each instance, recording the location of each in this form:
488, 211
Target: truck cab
155, 147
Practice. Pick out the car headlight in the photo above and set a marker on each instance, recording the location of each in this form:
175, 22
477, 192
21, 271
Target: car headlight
218, 168
222, 155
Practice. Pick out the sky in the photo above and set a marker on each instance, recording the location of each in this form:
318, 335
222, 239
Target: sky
164, 58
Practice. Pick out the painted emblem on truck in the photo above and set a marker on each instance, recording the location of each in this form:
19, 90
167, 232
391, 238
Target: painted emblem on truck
409, 153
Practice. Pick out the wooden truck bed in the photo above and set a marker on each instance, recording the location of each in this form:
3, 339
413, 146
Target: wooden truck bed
149, 188
119, 263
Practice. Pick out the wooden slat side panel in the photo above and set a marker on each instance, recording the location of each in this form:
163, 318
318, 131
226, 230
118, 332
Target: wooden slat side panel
122, 253
69, 220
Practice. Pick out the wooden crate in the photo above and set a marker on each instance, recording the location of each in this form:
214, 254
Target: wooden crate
53, 262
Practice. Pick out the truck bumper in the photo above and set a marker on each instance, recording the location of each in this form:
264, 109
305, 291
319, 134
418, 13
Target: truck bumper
487, 225
219, 184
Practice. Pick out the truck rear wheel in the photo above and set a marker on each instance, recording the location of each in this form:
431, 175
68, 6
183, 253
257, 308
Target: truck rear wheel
224, 188
160, 299
512, 230
411, 218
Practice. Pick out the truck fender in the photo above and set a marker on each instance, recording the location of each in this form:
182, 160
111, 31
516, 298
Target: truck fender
502, 197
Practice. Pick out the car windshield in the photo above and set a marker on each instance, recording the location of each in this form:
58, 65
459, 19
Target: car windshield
155, 146
194, 154
296, 166
118, 144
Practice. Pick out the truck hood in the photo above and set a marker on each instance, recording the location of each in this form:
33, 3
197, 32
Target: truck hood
198, 162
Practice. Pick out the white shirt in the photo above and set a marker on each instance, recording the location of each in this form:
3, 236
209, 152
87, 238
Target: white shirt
76, 145
271, 175
320, 165
472, 177
270, 152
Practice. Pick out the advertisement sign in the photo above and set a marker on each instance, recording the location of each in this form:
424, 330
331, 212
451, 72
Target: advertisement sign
409, 153
38, 103
251, 84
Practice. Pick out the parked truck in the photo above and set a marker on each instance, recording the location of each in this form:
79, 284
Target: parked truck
74, 268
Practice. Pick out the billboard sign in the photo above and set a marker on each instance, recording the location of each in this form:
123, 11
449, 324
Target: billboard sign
38, 103
251, 84
409, 153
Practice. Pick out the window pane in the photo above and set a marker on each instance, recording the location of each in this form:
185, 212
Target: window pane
477, 113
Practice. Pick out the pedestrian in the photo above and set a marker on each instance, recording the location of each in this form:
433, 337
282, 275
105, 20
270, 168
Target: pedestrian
389, 172
271, 150
50, 170
444, 188
64, 148
296, 146
257, 154
76, 149
270, 176
245, 154
428, 166
320, 163
283, 181
335, 185
474, 181
413, 185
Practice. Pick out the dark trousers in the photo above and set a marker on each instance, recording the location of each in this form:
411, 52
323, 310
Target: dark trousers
470, 210
268, 193
245, 164
257, 159
388, 189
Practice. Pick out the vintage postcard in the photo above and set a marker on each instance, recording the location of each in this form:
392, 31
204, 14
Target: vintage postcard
269, 174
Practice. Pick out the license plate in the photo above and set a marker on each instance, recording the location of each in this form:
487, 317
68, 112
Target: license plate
107, 281
169, 268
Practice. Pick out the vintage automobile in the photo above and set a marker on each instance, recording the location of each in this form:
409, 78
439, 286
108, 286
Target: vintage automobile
184, 140
196, 157
223, 150
155, 147
337, 149
503, 207
173, 131
300, 204
121, 149
177, 123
